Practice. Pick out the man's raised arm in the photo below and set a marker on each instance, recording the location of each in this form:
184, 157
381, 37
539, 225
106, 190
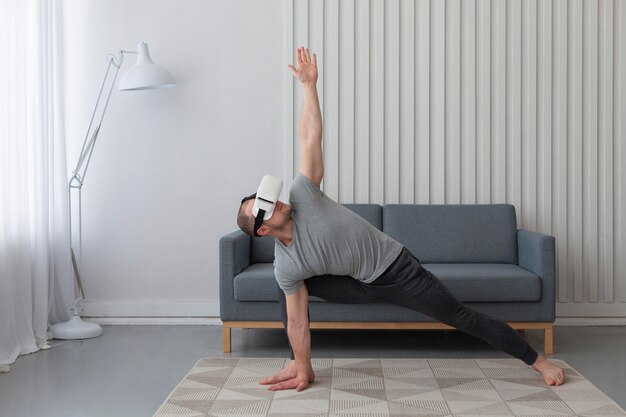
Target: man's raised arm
311, 156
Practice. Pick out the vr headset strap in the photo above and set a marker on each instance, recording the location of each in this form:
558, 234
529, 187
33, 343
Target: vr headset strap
258, 221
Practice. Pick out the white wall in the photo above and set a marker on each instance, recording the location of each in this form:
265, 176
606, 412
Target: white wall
171, 165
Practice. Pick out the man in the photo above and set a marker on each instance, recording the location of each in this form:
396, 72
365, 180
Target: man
345, 259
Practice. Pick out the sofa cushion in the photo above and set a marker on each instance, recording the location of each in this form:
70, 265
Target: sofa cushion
488, 282
469, 282
455, 233
262, 249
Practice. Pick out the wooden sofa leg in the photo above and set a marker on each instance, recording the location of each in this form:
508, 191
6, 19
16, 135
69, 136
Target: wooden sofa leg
548, 340
226, 339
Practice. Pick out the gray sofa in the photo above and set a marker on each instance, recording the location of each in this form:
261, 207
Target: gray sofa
476, 250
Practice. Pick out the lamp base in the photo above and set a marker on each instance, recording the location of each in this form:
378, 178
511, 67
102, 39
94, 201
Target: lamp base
75, 328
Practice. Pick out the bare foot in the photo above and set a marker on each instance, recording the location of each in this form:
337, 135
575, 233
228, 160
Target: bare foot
552, 374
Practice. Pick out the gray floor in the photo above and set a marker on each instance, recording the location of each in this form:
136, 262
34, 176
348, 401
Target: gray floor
130, 370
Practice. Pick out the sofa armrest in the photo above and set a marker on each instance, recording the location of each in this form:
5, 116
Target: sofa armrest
234, 258
536, 253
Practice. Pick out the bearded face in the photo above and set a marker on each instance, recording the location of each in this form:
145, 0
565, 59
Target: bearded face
280, 218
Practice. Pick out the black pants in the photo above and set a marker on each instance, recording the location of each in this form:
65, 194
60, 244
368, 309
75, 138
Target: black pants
406, 283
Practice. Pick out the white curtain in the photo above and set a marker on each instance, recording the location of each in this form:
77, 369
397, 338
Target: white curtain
36, 281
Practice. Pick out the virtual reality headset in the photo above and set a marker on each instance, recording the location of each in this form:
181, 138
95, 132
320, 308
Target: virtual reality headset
265, 200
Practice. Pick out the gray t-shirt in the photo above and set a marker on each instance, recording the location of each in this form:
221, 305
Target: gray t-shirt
329, 239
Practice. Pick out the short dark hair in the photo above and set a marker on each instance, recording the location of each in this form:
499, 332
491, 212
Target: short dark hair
246, 221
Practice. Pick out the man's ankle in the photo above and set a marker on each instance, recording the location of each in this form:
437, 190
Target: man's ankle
540, 359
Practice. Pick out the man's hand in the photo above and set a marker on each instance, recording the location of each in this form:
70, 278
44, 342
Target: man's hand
288, 378
299, 382
307, 68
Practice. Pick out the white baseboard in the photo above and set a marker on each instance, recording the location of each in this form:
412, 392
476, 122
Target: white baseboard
590, 321
146, 309
156, 321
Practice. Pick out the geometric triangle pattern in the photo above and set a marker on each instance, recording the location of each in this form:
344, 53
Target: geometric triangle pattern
373, 387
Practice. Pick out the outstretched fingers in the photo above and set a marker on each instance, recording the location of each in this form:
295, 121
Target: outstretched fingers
306, 67
300, 57
293, 383
303, 56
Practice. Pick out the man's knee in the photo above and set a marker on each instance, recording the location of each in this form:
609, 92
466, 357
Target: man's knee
461, 317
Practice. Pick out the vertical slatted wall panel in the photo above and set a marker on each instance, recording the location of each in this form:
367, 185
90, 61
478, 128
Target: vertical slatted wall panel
468, 116
574, 138
480, 101
377, 101
559, 117
391, 88
407, 101
362, 102
590, 146
545, 170
437, 134
498, 104
529, 164
483, 100
290, 124
347, 82
606, 149
331, 97
452, 127
619, 140
422, 176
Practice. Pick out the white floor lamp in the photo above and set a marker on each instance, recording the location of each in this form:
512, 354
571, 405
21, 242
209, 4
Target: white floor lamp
144, 75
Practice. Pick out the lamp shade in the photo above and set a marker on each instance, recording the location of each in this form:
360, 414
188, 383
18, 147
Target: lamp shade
145, 74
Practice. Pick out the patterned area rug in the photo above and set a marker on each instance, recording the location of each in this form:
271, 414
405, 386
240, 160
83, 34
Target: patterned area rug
385, 387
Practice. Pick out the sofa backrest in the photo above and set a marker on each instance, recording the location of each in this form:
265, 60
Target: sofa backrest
454, 233
262, 248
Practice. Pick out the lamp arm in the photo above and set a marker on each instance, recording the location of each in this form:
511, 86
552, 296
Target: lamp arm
78, 176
